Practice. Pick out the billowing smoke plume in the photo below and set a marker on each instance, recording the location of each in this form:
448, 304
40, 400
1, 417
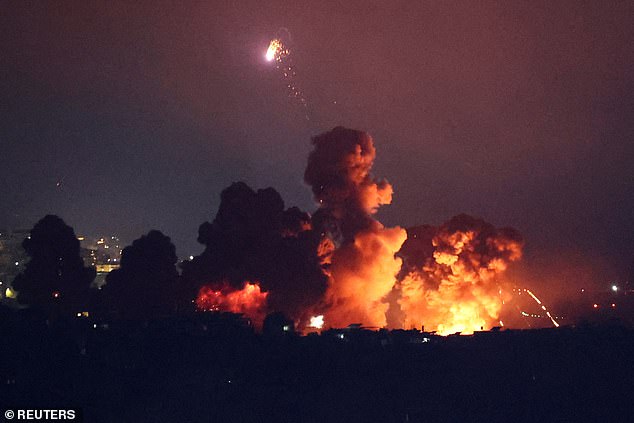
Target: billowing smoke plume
342, 263
363, 265
451, 275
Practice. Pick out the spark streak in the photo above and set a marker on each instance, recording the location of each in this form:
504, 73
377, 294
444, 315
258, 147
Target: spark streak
528, 291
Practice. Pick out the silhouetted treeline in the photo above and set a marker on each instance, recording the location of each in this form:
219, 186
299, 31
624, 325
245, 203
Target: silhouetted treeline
213, 367
146, 286
55, 279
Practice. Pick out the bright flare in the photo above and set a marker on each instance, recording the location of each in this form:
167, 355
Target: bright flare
317, 322
279, 53
276, 50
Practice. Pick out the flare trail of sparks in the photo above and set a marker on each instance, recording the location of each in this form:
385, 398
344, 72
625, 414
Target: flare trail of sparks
279, 53
528, 291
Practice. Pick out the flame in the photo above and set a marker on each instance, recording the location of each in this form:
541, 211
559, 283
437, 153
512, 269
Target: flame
457, 289
316, 322
357, 251
250, 300
362, 274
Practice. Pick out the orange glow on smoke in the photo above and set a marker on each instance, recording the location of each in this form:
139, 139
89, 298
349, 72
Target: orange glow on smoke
457, 289
250, 300
362, 274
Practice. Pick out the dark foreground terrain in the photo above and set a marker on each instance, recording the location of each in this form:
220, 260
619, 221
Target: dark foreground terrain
212, 368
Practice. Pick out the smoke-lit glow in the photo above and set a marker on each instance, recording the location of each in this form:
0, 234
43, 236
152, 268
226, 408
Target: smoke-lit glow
454, 285
362, 267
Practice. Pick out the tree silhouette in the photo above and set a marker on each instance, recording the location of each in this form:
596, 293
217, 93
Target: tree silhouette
276, 324
145, 286
55, 279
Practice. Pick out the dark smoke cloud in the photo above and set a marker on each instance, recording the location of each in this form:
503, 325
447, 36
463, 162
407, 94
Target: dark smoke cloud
363, 267
254, 238
338, 173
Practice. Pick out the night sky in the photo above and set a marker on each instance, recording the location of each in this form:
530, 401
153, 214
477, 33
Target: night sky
521, 113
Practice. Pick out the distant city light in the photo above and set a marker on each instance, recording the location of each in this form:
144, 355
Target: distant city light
595, 305
615, 288
613, 305
191, 257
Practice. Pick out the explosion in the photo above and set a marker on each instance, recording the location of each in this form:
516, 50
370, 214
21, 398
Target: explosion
363, 267
454, 286
250, 300
341, 266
